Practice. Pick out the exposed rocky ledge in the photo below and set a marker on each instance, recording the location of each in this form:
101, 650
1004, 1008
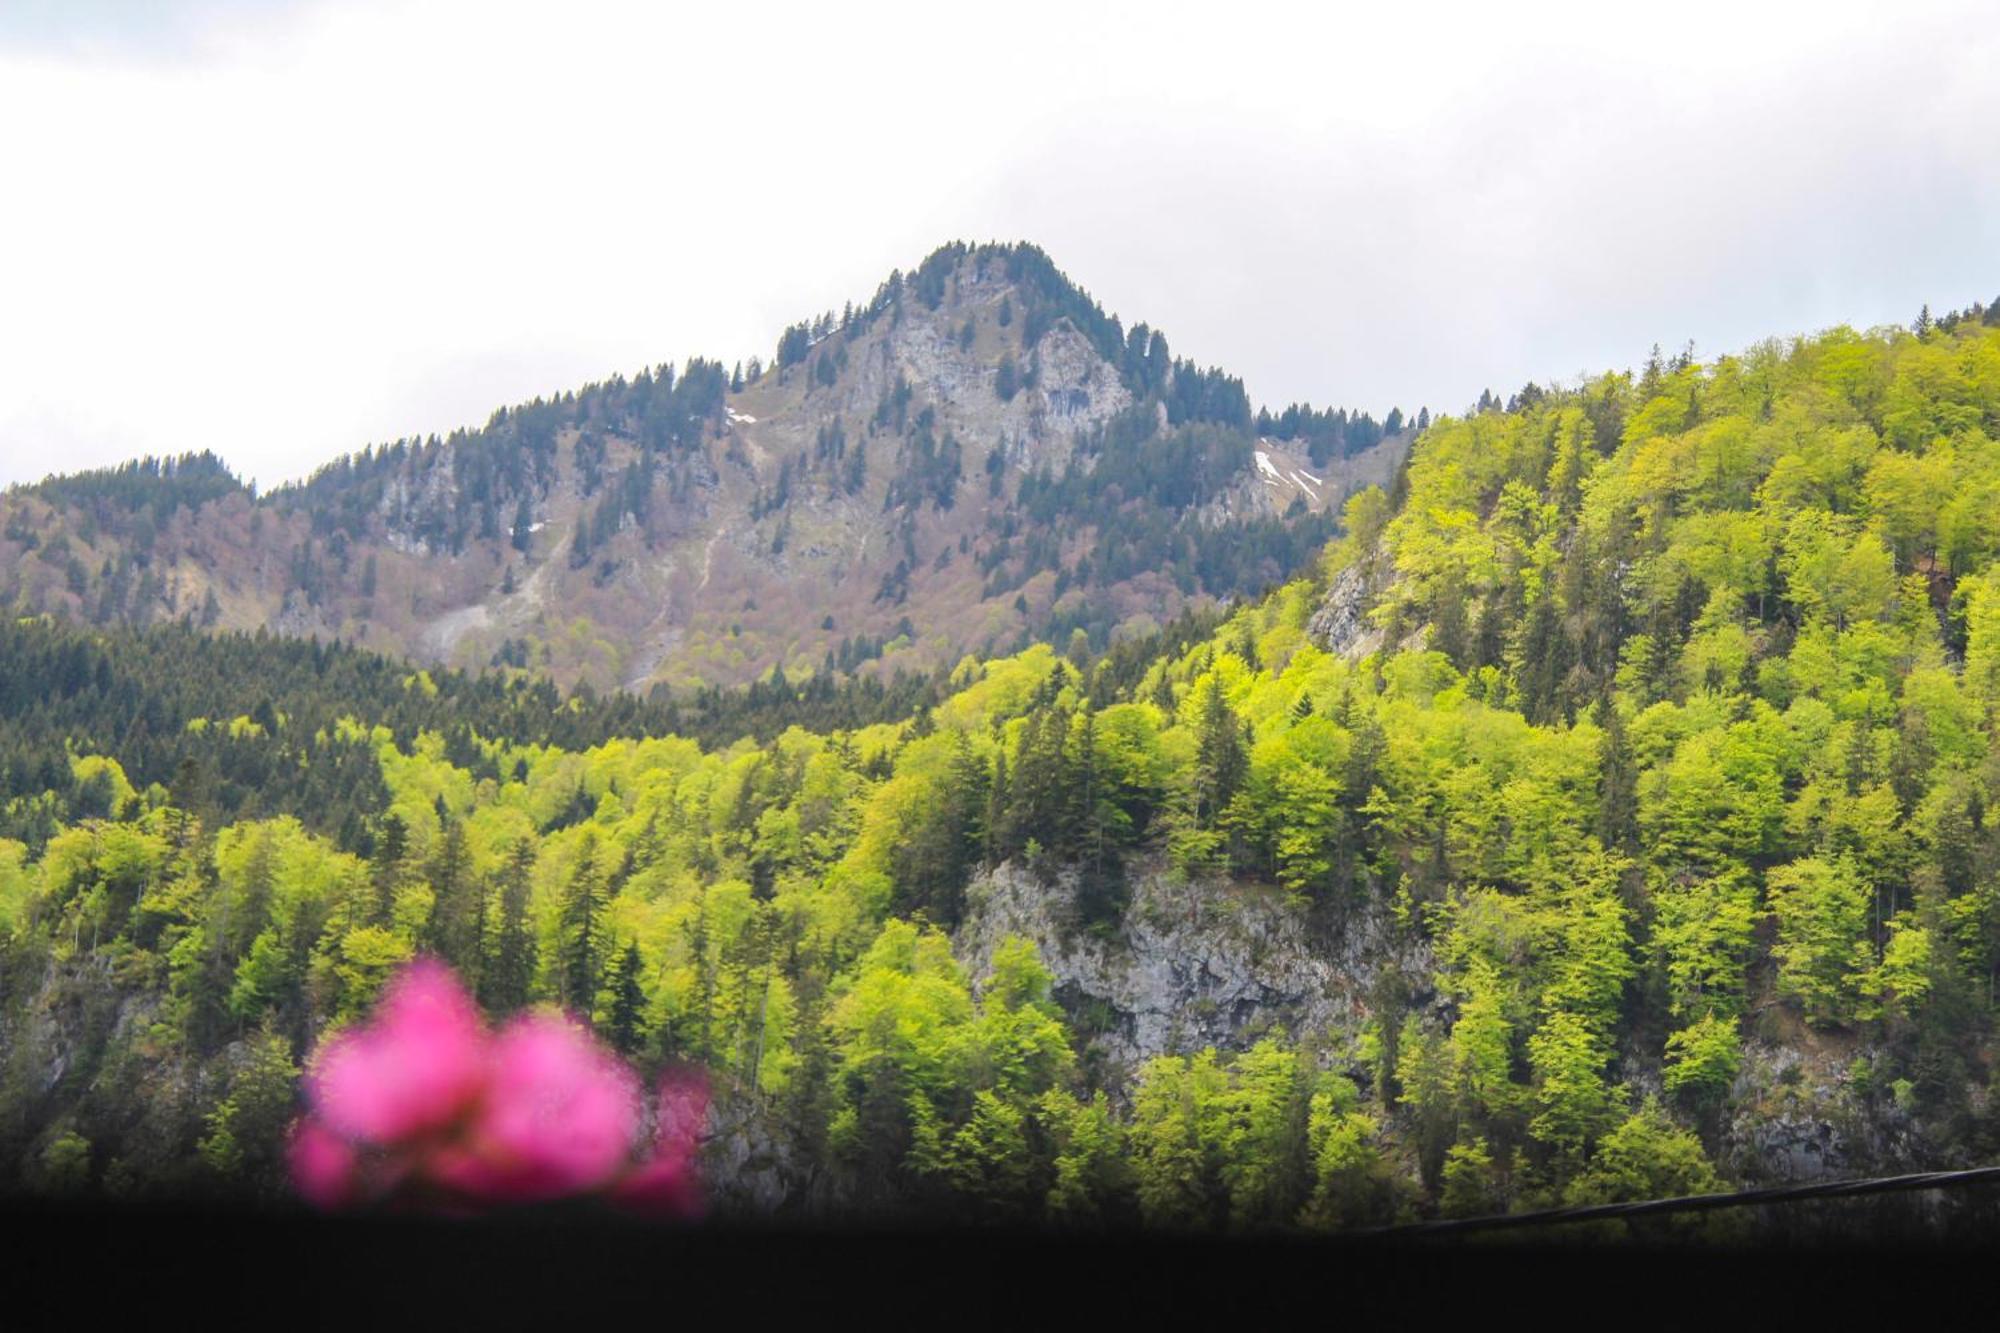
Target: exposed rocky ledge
1189, 965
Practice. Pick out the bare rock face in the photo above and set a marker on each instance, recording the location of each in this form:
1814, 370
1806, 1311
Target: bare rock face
1796, 1148
298, 618
751, 1168
1190, 965
1340, 625
78, 1050
1802, 1115
1337, 624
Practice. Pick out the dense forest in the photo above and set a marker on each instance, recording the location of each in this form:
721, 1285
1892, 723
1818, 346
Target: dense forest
1644, 728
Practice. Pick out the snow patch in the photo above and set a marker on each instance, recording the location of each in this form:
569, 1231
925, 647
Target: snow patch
742, 418
1267, 468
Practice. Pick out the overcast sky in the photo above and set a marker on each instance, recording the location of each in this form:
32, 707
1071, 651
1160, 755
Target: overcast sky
283, 230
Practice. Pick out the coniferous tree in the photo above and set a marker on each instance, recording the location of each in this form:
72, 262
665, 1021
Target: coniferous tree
1448, 627
1543, 660
579, 961
1220, 759
998, 823
1651, 378
1093, 822
1077, 836
508, 974
1618, 795
458, 906
1007, 379
936, 856
628, 1000
386, 866
807, 1103
523, 535
1040, 771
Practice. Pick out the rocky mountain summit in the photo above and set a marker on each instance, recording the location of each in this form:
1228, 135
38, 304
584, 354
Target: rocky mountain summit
978, 457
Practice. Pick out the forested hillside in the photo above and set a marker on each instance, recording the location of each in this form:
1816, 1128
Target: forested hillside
977, 458
1604, 818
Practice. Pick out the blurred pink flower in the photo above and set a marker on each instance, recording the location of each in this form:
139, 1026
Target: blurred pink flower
422, 1103
324, 1165
666, 1184
418, 1067
559, 1116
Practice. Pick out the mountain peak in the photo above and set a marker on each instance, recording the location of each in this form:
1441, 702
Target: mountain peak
977, 457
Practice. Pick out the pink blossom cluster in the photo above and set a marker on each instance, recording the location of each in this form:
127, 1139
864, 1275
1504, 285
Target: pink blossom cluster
424, 1106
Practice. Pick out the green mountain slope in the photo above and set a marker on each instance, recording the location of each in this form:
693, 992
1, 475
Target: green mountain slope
1607, 821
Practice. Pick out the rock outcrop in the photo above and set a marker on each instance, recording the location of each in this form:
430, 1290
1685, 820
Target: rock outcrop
1189, 965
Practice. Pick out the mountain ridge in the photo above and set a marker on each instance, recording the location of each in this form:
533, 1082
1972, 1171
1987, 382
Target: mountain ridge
978, 457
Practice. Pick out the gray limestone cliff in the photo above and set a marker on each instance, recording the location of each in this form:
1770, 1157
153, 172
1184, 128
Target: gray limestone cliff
1189, 965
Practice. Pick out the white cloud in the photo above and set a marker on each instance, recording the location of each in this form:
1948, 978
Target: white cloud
283, 232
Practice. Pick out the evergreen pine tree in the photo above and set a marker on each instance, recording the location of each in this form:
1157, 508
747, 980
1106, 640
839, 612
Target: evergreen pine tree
628, 1000
523, 537
456, 907
1617, 784
1448, 624
1650, 378
579, 962
392, 838
1542, 660
508, 974
1220, 760
998, 827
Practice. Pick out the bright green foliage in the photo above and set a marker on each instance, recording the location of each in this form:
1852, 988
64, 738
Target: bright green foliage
1646, 1157
1175, 1139
1469, 1189
1822, 913
362, 963
1424, 1075
1703, 933
1090, 1168
64, 1164
15, 886
1592, 951
1702, 1058
1672, 719
1481, 1048
1262, 1147
1291, 800
1897, 985
247, 1127
1571, 1098
1352, 1182
988, 1160
1265, 1140
934, 1084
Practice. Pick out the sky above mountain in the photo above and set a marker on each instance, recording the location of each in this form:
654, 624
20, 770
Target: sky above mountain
284, 230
